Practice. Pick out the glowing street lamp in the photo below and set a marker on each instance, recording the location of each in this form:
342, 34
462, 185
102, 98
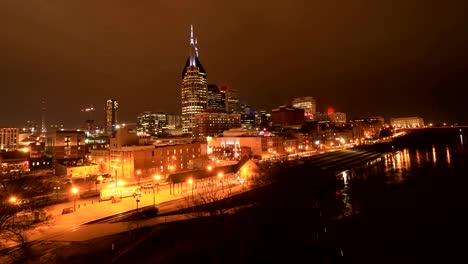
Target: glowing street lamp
190, 182
245, 174
138, 174
220, 176
120, 184
156, 177
75, 192
209, 168
12, 200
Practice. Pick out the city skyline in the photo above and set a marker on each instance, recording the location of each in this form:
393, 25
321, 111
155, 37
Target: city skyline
410, 65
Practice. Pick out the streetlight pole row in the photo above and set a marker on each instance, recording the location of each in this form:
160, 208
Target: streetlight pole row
156, 177
75, 192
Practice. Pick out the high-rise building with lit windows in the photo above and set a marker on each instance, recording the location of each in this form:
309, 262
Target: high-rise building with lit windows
216, 99
214, 124
231, 95
308, 104
111, 116
194, 88
151, 124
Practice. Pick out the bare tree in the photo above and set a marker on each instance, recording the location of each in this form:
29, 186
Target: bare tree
15, 218
208, 200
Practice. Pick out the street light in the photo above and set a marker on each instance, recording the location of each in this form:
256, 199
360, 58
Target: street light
156, 177
190, 181
74, 191
117, 160
120, 183
12, 200
220, 176
138, 173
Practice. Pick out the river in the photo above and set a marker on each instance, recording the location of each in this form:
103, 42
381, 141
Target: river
409, 208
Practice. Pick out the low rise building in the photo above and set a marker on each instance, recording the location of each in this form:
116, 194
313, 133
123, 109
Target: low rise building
9, 137
407, 122
287, 116
65, 144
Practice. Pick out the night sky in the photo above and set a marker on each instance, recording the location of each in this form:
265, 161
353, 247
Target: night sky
391, 58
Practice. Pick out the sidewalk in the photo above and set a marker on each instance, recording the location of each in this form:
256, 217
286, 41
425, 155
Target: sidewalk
91, 209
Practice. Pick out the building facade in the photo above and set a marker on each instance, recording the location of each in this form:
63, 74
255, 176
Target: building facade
338, 118
407, 122
216, 99
9, 138
232, 99
261, 147
367, 128
213, 124
262, 119
151, 124
287, 116
193, 88
308, 104
135, 163
111, 116
65, 144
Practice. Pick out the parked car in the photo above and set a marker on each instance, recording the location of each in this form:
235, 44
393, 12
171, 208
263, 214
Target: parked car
147, 186
68, 210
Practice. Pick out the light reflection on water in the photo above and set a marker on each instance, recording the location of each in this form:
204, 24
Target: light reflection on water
397, 167
448, 155
418, 159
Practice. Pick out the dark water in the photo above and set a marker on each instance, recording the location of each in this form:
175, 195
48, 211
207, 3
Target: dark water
409, 208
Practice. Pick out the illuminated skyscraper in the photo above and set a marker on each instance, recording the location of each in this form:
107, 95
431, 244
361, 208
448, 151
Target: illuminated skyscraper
151, 124
308, 104
193, 88
111, 116
232, 99
216, 99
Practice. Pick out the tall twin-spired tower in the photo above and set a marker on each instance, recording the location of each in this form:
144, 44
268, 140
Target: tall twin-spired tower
194, 88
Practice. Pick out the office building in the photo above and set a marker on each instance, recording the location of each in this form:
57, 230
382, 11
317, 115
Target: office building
111, 116
151, 124
216, 99
308, 104
193, 88
406, 122
232, 99
213, 124
9, 138
287, 116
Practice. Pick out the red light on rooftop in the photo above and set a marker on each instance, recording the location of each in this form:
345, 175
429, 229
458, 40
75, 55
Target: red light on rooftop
330, 110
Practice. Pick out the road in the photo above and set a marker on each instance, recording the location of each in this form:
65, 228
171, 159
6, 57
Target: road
70, 227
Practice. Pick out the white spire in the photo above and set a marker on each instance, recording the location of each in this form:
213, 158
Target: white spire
193, 48
191, 35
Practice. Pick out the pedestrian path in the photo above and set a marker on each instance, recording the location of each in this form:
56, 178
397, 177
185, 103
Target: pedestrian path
91, 209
